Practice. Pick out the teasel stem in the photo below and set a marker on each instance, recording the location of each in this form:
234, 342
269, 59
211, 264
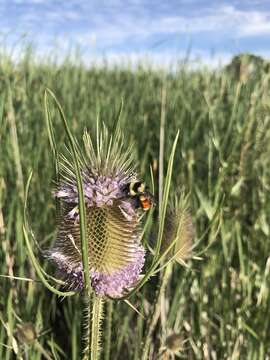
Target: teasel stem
86, 326
96, 326
93, 329
157, 310
108, 329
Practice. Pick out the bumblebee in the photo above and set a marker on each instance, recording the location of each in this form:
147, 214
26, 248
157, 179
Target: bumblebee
137, 190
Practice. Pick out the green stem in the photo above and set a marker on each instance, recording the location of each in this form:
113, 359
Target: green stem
108, 330
86, 325
96, 328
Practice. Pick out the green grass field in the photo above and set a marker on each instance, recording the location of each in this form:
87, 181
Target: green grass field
218, 307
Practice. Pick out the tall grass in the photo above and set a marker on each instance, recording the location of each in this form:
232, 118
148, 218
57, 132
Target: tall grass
219, 306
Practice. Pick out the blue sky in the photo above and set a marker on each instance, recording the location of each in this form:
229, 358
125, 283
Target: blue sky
163, 31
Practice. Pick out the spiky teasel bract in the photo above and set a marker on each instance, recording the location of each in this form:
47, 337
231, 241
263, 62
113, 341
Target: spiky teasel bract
113, 228
179, 230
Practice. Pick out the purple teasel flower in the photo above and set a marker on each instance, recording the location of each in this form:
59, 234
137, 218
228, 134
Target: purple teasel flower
116, 257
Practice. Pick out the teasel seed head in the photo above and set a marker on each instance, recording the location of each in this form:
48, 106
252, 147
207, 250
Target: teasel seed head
116, 257
26, 333
179, 229
174, 342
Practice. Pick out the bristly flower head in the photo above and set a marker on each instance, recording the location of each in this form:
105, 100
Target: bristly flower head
179, 230
115, 254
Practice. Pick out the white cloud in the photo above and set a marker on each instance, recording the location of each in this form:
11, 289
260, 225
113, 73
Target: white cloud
111, 26
156, 60
247, 23
164, 60
226, 21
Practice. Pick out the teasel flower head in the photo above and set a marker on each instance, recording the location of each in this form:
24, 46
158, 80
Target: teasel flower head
174, 342
26, 333
179, 230
116, 257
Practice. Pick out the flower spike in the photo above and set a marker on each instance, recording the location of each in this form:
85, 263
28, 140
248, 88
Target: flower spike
115, 255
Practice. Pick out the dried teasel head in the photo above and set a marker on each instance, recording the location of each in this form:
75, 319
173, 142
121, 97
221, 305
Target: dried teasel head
174, 342
26, 333
179, 230
116, 257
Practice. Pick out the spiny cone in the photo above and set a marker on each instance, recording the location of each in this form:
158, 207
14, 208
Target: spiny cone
115, 255
26, 333
174, 342
179, 229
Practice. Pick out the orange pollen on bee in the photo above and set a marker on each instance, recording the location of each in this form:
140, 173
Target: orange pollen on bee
145, 202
